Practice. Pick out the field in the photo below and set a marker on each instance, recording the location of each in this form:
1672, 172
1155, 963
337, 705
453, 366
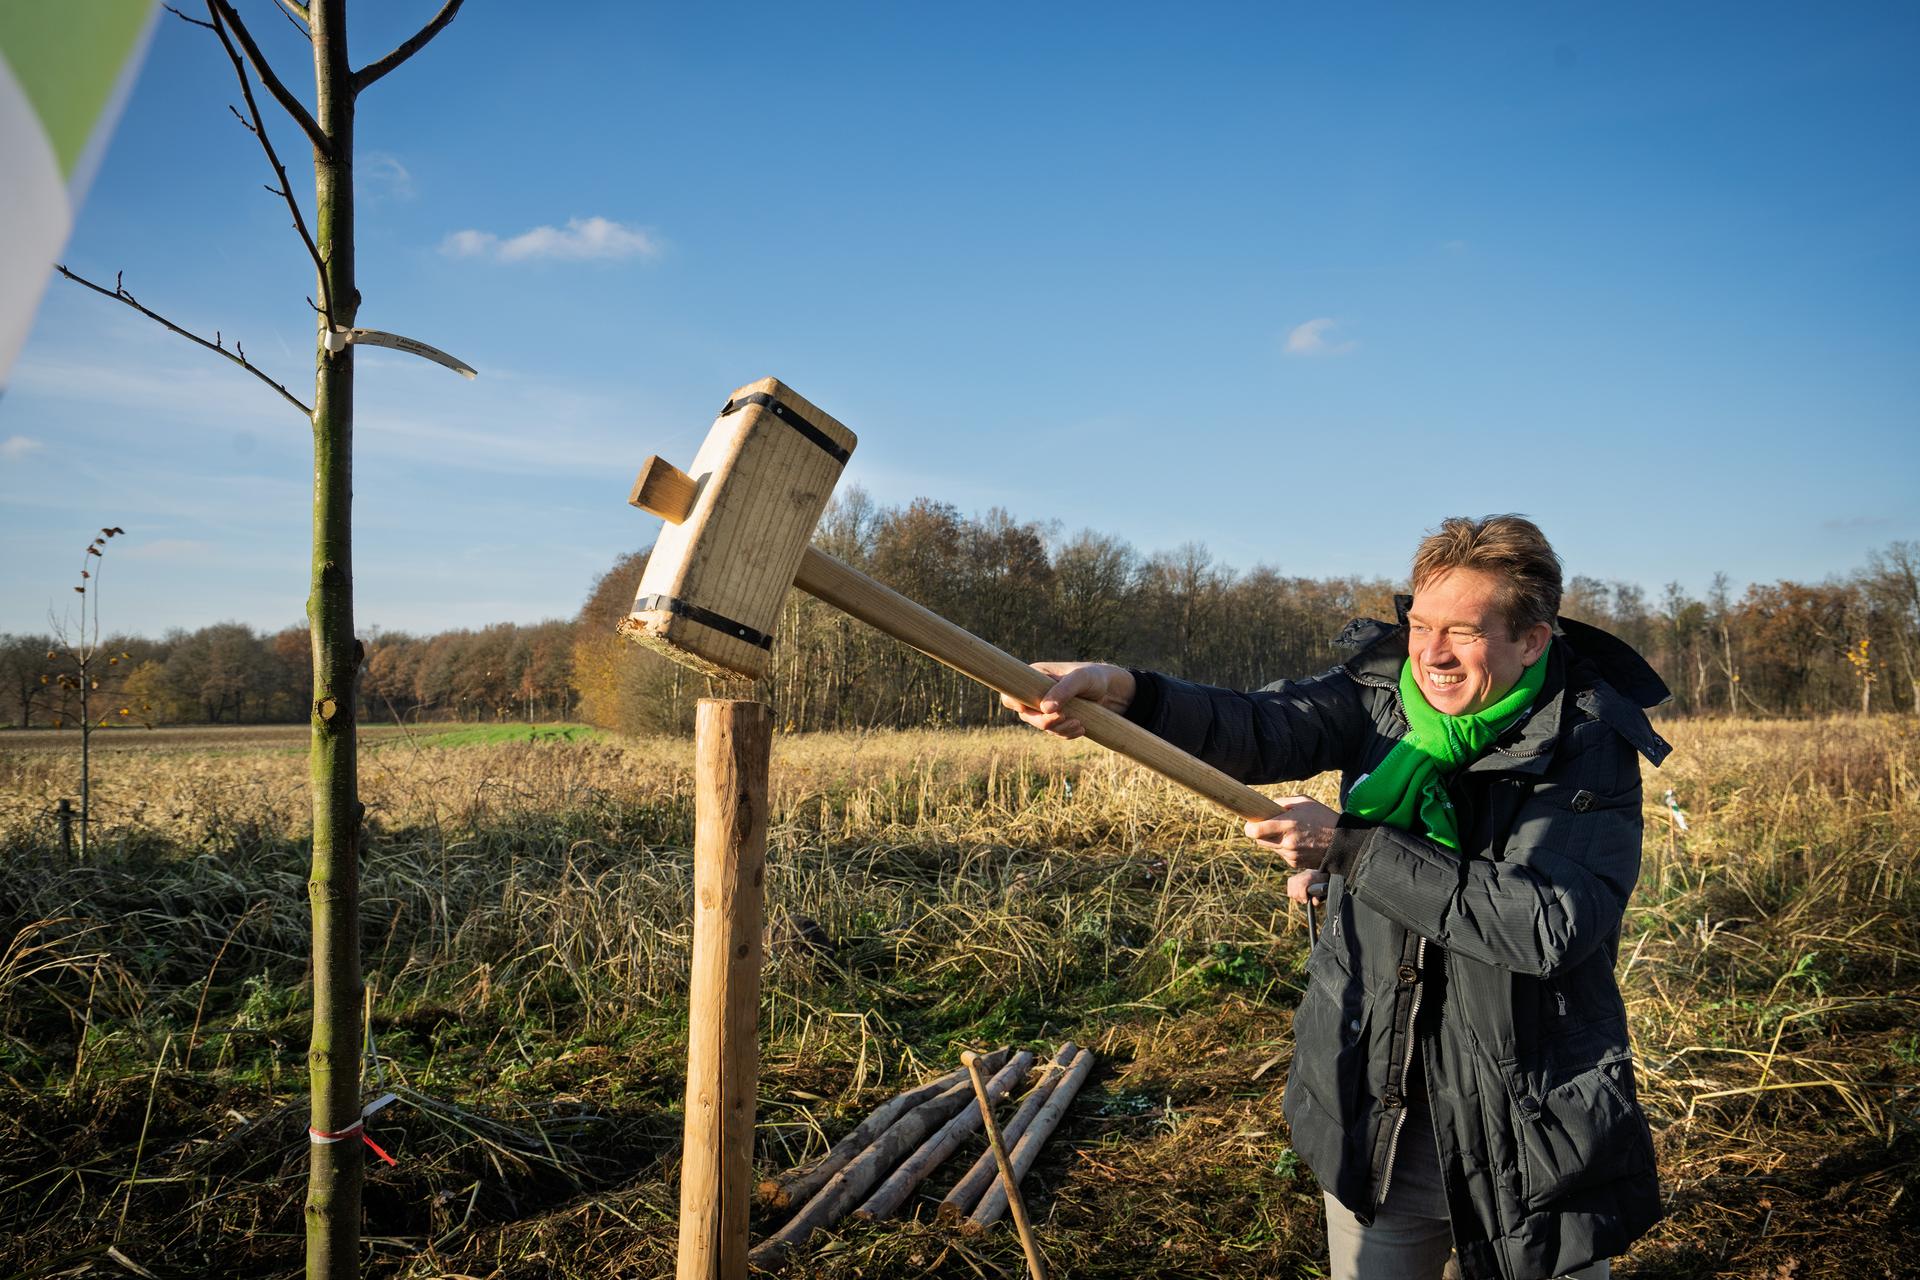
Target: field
526, 939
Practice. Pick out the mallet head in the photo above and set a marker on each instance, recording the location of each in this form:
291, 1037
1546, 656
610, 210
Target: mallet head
738, 521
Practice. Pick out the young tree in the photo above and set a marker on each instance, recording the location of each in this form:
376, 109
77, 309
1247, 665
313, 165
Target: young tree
336, 1169
77, 644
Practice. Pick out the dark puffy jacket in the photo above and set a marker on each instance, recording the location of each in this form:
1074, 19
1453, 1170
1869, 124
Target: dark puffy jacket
1497, 963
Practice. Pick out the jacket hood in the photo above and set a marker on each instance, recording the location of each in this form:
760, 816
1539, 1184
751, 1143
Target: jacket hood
1618, 662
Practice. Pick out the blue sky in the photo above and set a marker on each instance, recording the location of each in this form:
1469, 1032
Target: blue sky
1293, 281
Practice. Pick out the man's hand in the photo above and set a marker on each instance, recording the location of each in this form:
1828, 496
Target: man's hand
1301, 835
1302, 885
1110, 686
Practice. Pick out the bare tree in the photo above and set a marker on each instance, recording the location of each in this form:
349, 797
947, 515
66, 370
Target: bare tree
1721, 614
23, 672
1894, 582
336, 1126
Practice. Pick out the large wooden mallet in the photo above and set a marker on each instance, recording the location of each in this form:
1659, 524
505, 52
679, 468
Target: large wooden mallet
738, 524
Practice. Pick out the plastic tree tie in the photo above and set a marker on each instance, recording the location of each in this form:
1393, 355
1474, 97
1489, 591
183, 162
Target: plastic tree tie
321, 1138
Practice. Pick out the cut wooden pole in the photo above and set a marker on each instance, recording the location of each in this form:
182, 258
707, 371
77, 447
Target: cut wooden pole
850, 1186
1036, 1265
731, 742
1027, 1150
966, 1193
893, 1193
798, 1186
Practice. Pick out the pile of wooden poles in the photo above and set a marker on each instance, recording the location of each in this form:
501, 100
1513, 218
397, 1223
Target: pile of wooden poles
873, 1170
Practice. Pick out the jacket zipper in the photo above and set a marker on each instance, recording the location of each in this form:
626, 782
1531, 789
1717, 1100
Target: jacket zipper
1406, 1073
1406, 1064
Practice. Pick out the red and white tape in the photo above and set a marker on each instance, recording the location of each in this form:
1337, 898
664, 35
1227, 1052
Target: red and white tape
321, 1138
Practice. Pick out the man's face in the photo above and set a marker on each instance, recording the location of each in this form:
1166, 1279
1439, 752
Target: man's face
1463, 652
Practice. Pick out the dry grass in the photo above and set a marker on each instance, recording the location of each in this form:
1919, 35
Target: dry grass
526, 935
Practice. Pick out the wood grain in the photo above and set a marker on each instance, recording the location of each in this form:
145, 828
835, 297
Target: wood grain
731, 743
761, 488
663, 490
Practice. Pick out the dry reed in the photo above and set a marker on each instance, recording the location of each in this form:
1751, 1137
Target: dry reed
526, 937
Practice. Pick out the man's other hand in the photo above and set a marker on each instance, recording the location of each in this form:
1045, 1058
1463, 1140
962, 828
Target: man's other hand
1110, 686
1302, 885
1301, 834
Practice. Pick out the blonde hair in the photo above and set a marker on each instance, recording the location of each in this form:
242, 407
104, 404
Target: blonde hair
1509, 547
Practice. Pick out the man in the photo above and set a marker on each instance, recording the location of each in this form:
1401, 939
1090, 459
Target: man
1461, 1075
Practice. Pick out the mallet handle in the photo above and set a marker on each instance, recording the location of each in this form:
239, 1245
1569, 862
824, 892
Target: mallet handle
853, 592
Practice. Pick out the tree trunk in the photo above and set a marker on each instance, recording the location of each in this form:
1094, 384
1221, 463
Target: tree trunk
333, 1059
1733, 675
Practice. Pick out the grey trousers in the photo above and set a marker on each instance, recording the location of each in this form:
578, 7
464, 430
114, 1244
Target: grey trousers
1410, 1238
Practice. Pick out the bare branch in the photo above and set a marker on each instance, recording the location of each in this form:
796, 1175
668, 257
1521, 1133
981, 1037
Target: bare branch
119, 293
224, 12
296, 13
374, 70
184, 18
259, 130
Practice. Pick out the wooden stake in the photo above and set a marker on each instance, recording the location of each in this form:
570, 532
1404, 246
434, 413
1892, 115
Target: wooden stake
800, 1186
850, 1186
932, 1153
1027, 1150
731, 744
1035, 1263
966, 1193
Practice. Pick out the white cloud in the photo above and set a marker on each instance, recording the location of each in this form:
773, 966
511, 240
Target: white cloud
383, 173
468, 244
581, 240
1310, 339
19, 448
1455, 246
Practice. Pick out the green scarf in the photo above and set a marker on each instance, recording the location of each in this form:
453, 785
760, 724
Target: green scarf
1408, 789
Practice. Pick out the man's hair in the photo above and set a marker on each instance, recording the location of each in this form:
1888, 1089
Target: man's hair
1509, 547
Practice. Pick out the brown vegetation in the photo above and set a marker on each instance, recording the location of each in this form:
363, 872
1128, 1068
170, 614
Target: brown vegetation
527, 937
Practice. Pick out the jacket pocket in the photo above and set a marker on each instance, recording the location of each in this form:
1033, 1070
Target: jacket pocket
1330, 1042
1579, 1128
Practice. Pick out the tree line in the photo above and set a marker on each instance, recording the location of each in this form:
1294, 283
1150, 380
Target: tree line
1777, 649
228, 673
